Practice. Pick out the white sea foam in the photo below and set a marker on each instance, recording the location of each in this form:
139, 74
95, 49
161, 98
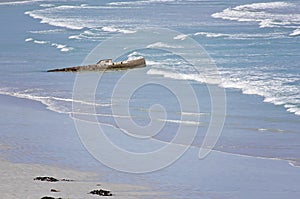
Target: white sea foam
75, 17
28, 39
18, 2
272, 130
181, 37
296, 32
174, 75
47, 5
162, 45
119, 30
241, 35
47, 31
52, 103
210, 34
195, 113
186, 122
93, 34
271, 14
61, 47
40, 42
274, 88
46, 17
263, 6
121, 3
78, 37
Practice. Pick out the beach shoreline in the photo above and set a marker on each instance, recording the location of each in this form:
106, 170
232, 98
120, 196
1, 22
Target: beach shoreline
17, 181
218, 175
19, 166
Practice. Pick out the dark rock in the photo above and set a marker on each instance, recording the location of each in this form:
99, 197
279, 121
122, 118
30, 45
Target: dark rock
49, 197
101, 192
48, 179
104, 65
54, 190
67, 180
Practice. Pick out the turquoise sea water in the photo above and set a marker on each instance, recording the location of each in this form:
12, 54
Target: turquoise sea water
255, 45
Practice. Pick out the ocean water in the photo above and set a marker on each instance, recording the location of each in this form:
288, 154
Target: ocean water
254, 44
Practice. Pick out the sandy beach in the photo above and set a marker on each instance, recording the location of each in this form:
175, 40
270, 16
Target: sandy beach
17, 178
17, 181
220, 175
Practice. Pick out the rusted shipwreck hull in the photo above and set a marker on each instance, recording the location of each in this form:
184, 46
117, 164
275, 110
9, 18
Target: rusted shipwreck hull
106, 64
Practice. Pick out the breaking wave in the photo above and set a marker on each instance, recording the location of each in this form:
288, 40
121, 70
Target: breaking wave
118, 30
267, 15
278, 90
79, 17
296, 32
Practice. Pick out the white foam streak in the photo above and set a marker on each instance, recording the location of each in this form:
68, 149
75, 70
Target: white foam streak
121, 3
295, 33
73, 17
263, 6
181, 37
52, 103
267, 15
44, 16
28, 39
162, 45
117, 30
272, 130
18, 2
40, 42
61, 47
241, 35
47, 5
276, 90
47, 31
209, 34
186, 122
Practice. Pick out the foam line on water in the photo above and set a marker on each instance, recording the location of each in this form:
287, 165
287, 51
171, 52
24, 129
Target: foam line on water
75, 17
295, 32
117, 30
162, 45
241, 35
145, 2
51, 31
250, 84
18, 2
266, 15
52, 103
61, 47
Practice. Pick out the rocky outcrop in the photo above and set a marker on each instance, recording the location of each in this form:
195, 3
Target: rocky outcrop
104, 65
48, 179
101, 192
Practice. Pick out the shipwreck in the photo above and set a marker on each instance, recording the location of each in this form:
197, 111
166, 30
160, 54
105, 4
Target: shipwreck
106, 64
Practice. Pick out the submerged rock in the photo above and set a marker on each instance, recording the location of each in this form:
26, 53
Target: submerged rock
48, 179
49, 197
51, 179
101, 192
